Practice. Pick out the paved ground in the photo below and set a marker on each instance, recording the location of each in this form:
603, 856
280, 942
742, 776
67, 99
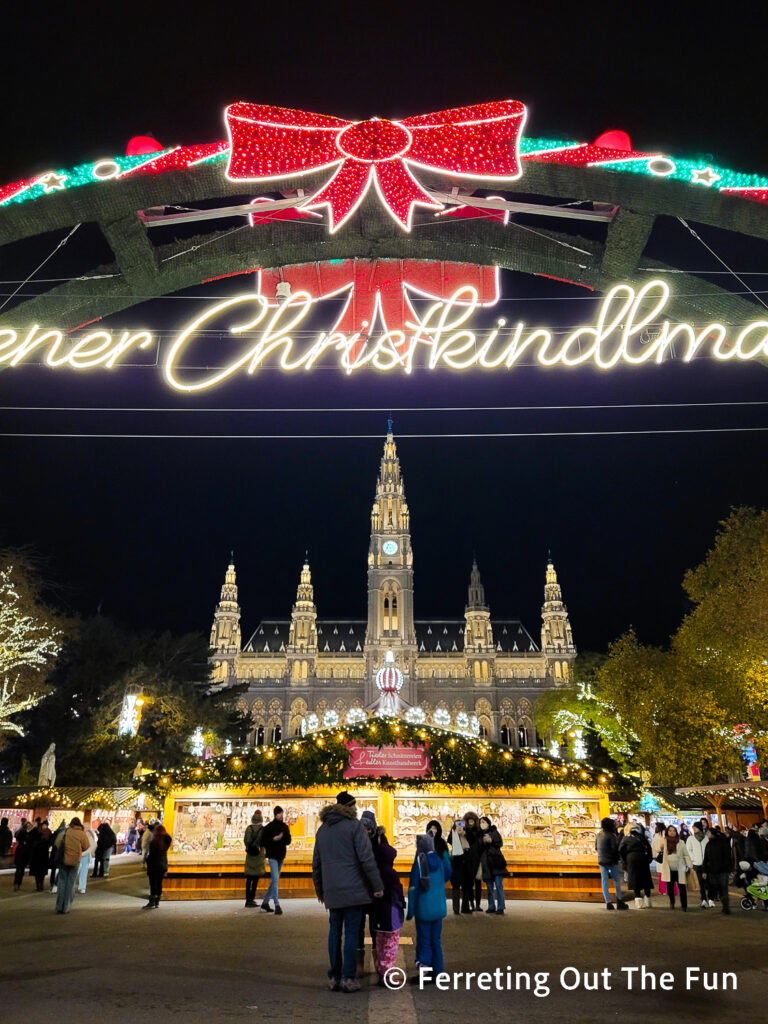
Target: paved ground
205, 962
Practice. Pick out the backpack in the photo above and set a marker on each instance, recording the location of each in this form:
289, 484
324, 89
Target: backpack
254, 847
59, 854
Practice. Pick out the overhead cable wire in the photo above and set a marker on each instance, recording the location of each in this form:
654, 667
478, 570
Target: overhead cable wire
720, 260
387, 408
377, 437
59, 245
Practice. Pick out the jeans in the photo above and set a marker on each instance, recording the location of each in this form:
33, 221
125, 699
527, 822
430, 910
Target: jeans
346, 919
608, 871
65, 892
107, 856
498, 885
429, 947
82, 872
274, 878
718, 886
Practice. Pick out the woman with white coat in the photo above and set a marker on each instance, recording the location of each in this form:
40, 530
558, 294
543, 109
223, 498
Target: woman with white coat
675, 862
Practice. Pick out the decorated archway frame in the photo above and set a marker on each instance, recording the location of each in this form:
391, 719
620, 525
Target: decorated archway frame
630, 189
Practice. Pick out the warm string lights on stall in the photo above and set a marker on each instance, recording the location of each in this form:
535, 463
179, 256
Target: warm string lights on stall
292, 762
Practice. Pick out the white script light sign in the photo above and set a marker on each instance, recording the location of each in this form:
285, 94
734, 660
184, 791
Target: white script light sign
629, 329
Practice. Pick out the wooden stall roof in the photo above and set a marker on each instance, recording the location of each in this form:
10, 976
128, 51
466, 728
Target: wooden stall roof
78, 796
735, 795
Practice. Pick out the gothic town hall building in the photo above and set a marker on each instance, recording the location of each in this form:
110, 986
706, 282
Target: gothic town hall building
303, 672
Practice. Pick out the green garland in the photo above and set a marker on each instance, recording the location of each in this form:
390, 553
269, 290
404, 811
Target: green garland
322, 757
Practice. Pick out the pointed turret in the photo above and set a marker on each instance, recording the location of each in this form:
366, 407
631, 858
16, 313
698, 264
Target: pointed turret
302, 637
225, 631
390, 570
478, 635
556, 636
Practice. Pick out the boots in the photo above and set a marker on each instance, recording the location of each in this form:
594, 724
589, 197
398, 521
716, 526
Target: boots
478, 893
150, 904
638, 903
456, 899
646, 901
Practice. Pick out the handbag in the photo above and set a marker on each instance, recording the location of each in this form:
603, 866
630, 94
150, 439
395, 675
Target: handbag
659, 856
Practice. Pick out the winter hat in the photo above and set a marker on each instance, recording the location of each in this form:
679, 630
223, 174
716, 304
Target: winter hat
345, 798
278, 810
424, 844
368, 819
257, 818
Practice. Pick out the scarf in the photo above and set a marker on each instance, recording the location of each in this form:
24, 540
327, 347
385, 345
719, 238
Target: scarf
459, 843
672, 842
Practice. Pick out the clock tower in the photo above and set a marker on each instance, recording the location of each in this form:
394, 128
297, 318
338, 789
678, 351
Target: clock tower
390, 577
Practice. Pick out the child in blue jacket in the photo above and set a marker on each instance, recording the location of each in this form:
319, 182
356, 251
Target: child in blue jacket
427, 903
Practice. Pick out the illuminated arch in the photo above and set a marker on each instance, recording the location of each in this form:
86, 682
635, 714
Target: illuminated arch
639, 188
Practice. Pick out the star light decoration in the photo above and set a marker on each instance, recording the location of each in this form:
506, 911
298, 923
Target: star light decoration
705, 176
51, 182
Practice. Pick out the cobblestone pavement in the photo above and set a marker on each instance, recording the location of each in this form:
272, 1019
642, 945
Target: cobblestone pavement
205, 962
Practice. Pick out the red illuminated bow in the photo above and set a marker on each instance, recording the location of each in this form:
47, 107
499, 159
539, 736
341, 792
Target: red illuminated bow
480, 141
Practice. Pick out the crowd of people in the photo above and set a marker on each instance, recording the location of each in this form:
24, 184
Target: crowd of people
76, 851
702, 858
355, 878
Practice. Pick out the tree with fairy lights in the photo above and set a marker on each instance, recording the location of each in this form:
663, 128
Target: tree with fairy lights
29, 643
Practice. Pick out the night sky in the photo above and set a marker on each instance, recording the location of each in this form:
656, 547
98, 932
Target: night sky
143, 528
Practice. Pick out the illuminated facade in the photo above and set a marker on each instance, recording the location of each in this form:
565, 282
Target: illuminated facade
471, 673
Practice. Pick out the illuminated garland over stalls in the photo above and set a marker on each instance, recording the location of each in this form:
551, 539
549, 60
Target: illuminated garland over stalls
44, 797
321, 759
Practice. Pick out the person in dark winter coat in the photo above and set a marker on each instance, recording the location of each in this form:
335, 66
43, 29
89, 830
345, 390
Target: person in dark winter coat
427, 904
22, 851
717, 866
106, 843
755, 846
345, 876
276, 838
607, 846
635, 855
462, 845
492, 865
255, 858
6, 838
157, 865
474, 835
389, 909
41, 840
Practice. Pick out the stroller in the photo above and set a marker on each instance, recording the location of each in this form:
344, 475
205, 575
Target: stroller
754, 884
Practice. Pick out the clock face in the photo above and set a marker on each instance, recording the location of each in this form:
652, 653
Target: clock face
389, 547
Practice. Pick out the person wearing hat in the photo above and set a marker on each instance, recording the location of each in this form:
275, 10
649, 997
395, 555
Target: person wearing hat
427, 903
276, 838
255, 859
345, 876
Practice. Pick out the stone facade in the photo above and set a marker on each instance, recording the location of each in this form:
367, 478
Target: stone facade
453, 669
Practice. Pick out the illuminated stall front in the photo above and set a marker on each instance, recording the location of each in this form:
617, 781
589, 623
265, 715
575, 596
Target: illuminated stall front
548, 823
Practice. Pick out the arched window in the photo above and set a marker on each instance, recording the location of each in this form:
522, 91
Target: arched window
522, 736
504, 735
260, 736
276, 734
387, 619
394, 613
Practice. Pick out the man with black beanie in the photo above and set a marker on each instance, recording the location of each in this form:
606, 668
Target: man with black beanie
275, 838
346, 878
